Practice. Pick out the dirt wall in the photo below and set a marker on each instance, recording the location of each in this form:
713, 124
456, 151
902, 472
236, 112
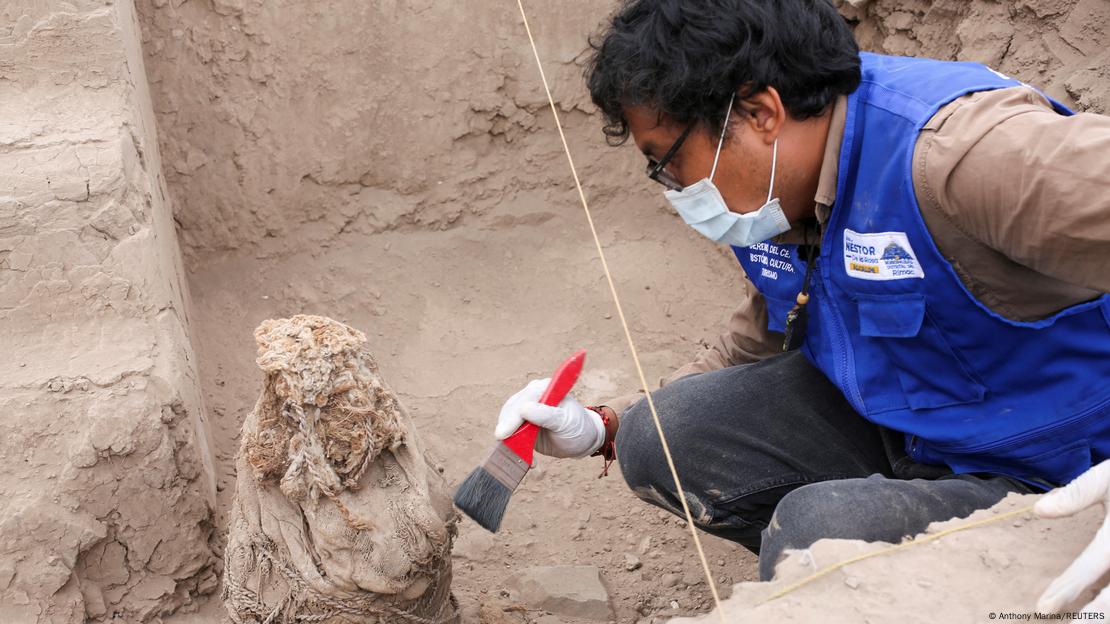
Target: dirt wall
106, 485
324, 117
1059, 46
316, 119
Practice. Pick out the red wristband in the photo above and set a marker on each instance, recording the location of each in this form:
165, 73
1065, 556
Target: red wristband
608, 450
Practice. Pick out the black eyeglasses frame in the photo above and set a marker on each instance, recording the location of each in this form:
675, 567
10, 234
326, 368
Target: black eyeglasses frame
655, 169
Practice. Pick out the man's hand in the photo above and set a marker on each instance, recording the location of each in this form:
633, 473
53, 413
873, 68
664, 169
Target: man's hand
568, 430
1089, 488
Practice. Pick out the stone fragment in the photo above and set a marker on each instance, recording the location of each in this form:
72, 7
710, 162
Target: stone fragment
571, 591
631, 562
228, 7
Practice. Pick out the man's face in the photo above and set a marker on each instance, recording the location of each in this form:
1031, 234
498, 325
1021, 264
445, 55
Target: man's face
743, 172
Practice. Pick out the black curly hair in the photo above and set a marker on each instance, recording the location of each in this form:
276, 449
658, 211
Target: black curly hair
685, 58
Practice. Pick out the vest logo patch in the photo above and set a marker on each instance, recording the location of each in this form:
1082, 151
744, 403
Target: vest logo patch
773, 258
881, 256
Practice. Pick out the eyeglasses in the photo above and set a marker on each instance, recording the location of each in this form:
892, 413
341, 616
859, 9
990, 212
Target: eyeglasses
655, 168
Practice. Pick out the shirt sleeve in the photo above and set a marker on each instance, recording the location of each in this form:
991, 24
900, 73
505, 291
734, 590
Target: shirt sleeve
745, 340
1029, 183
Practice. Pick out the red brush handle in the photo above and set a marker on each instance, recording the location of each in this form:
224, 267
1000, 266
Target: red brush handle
523, 440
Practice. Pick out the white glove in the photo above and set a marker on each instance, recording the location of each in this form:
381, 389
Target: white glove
1088, 488
568, 430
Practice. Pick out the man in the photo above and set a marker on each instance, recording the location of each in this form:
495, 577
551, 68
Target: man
929, 242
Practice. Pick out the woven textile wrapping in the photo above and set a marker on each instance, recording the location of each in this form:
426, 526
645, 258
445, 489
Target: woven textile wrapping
338, 515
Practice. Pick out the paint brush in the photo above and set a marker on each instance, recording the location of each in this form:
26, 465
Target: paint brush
485, 493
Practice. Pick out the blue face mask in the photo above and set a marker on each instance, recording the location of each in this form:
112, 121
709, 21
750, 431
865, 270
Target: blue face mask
701, 206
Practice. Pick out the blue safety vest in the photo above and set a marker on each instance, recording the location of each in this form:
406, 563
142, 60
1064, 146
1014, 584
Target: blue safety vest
893, 327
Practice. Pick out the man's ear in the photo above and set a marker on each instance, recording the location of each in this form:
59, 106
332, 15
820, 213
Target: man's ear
765, 113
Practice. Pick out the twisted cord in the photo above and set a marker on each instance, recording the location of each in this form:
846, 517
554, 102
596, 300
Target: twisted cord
624, 324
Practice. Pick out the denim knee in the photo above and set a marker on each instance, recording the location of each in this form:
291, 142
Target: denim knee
875, 509
802, 517
636, 443
641, 460
640, 455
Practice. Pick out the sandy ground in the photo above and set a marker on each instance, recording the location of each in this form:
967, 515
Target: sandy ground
461, 318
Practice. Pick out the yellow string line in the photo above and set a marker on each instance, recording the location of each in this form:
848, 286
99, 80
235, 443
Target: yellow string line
914, 542
624, 323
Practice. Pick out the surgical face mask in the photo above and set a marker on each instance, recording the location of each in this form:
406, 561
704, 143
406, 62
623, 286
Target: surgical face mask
701, 206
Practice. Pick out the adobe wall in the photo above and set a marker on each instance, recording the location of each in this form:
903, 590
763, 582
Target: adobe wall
106, 483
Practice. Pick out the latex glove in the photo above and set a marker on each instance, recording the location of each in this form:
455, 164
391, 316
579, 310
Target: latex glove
1087, 489
568, 430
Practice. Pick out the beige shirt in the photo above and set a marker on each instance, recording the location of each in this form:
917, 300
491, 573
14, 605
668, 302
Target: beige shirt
1016, 197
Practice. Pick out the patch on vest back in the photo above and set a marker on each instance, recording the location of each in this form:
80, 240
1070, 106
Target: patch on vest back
881, 256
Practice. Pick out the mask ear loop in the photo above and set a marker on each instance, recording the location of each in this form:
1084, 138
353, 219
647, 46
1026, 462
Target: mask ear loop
724, 127
774, 164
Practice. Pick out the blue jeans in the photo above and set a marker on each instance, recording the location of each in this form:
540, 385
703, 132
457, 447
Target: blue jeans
773, 457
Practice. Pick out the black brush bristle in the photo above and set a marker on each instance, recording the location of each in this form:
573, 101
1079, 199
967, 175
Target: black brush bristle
483, 498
